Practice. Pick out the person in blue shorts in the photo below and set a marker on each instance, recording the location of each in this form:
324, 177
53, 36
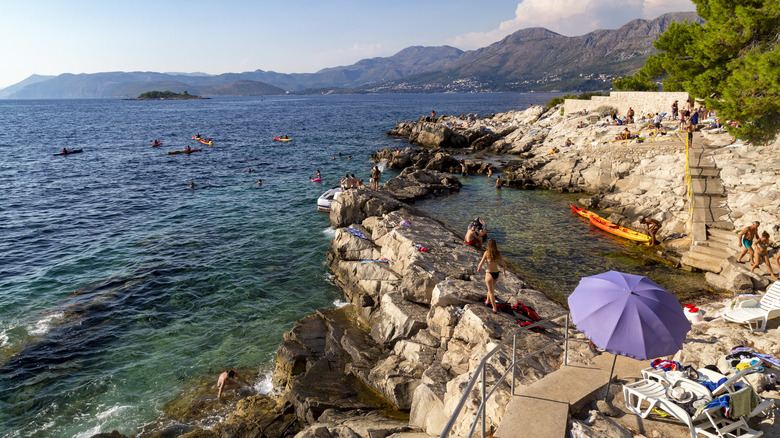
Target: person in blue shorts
746, 238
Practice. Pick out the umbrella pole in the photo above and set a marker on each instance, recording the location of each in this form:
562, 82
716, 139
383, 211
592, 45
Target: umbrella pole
609, 382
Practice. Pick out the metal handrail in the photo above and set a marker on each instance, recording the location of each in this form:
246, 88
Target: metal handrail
480, 372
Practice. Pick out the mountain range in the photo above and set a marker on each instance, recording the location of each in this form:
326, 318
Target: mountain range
533, 59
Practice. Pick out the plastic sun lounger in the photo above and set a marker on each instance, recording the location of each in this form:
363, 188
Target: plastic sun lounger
758, 312
709, 422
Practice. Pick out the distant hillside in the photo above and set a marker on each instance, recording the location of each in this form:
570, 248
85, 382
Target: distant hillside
129, 84
8, 91
529, 59
542, 60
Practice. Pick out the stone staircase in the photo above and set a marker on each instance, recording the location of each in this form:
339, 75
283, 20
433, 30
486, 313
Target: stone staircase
710, 235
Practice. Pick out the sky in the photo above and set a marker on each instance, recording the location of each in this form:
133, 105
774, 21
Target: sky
50, 37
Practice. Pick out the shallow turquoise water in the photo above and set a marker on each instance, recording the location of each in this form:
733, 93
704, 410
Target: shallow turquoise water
550, 246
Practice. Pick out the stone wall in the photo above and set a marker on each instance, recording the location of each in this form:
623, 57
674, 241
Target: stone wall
641, 101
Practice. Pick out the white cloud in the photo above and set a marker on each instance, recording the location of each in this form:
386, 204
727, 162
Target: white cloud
572, 17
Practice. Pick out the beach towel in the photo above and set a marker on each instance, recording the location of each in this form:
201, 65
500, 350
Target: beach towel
742, 402
382, 260
356, 233
713, 385
405, 223
741, 352
666, 365
723, 402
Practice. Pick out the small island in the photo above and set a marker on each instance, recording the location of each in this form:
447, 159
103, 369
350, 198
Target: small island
166, 95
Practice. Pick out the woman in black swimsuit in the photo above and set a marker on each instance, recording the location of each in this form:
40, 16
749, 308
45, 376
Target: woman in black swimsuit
492, 257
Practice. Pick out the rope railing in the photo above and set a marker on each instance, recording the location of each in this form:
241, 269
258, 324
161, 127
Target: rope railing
480, 373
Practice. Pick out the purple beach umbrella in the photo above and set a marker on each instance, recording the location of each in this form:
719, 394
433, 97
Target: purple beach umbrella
628, 315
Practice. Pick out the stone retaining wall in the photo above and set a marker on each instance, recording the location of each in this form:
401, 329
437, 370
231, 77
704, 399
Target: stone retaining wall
641, 101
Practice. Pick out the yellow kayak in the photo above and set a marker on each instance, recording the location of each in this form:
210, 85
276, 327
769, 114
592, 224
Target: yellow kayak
618, 230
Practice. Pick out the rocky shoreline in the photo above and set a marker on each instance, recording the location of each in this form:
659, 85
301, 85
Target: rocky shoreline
394, 362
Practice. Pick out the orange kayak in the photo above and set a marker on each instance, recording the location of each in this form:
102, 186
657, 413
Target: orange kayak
617, 230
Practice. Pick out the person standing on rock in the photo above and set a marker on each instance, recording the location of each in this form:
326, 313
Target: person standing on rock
376, 175
746, 238
491, 258
689, 128
762, 253
227, 381
652, 228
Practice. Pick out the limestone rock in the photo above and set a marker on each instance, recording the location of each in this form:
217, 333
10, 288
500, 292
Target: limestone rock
430, 134
397, 319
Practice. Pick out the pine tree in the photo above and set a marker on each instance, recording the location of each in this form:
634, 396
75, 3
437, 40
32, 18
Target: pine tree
731, 61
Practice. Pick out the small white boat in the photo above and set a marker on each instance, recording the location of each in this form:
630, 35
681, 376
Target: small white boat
324, 201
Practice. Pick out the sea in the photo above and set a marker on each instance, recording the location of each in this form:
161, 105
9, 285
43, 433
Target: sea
130, 276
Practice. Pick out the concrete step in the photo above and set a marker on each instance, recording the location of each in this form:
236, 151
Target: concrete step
709, 201
707, 186
541, 410
708, 215
698, 232
705, 171
705, 262
721, 235
712, 249
724, 224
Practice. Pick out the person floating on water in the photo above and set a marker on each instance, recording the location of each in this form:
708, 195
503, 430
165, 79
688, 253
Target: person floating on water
334, 157
192, 185
259, 181
249, 170
491, 258
227, 381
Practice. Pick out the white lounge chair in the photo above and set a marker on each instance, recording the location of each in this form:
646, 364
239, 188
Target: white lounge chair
758, 312
709, 422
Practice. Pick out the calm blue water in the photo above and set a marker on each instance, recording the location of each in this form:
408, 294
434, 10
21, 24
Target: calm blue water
119, 286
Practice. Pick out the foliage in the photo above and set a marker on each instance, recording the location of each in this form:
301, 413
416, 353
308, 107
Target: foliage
165, 95
732, 62
638, 82
559, 100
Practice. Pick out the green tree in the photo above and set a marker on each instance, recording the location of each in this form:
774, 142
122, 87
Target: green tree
732, 61
638, 82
